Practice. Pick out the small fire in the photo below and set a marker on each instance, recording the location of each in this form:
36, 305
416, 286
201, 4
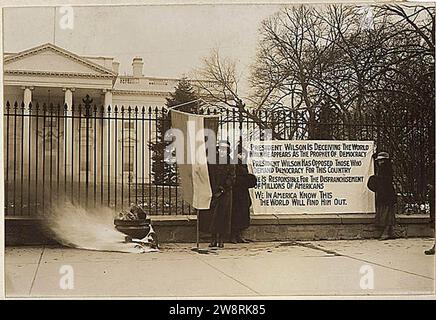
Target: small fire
91, 229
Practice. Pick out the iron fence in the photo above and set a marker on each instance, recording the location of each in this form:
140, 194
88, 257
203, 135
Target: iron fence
97, 156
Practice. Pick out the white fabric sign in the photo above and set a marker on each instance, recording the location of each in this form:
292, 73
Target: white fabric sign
312, 177
194, 174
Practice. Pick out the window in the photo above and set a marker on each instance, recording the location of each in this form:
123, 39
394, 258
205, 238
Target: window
83, 159
51, 122
83, 123
129, 158
129, 125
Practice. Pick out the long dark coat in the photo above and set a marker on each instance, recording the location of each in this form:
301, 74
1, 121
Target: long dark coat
431, 195
222, 178
241, 200
385, 197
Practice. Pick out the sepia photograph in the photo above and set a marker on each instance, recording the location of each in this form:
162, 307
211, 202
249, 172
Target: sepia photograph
219, 151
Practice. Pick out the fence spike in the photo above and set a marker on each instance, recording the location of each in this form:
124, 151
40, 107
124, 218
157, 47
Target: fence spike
16, 105
8, 105
30, 105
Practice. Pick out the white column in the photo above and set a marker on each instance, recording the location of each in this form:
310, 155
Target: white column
108, 160
68, 96
68, 132
138, 147
143, 142
107, 98
27, 99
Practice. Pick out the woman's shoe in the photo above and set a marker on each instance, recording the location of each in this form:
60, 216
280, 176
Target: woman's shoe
213, 241
241, 240
384, 236
391, 233
234, 239
219, 239
213, 244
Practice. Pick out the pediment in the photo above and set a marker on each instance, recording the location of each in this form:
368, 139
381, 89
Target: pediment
52, 59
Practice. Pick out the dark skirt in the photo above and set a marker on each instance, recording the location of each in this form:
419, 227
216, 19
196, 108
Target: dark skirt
221, 214
384, 215
240, 210
432, 208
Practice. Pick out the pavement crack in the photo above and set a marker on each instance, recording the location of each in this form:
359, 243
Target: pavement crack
310, 246
36, 270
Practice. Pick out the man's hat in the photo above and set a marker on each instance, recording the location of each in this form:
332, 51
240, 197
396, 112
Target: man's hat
382, 155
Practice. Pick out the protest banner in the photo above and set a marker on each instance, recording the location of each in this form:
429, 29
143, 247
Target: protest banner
312, 177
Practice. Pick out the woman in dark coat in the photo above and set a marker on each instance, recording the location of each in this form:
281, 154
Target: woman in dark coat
384, 196
222, 178
431, 194
241, 199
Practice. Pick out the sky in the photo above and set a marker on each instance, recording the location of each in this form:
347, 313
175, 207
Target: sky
171, 39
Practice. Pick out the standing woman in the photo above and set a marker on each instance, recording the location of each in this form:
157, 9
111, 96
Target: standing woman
222, 178
241, 198
431, 194
384, 196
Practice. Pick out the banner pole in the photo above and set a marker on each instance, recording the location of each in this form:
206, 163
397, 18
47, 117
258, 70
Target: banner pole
197, 248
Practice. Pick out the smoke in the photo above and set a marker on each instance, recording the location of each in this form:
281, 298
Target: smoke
92, 229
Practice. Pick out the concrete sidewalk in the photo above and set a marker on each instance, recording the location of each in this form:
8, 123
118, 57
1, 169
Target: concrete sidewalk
257, 269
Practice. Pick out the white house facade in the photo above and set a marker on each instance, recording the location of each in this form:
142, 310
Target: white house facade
48, 74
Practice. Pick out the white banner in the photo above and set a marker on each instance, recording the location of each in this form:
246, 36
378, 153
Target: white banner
193, 171
312, 177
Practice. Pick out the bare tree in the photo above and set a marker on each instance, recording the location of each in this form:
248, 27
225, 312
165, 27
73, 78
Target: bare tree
345, 64
414, 21
218, 83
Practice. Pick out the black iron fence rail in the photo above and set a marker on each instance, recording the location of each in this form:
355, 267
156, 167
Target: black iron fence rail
97, 156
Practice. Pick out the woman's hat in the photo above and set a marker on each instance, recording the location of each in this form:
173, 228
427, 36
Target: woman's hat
223, 143
382, 155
